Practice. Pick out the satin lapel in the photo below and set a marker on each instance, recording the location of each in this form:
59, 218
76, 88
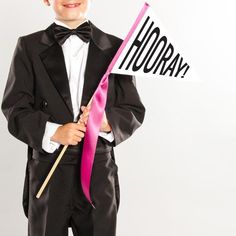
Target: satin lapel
99, 57
100, 54
54, 63
95, 68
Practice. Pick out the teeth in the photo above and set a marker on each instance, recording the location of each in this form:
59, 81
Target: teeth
72, 5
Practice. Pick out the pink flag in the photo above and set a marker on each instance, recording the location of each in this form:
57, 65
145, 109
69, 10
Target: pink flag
96, 115
146, 51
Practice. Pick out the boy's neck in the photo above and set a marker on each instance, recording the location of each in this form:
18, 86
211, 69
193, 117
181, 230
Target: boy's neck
72, 24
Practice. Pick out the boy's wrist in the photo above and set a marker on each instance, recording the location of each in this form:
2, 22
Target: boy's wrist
106, 128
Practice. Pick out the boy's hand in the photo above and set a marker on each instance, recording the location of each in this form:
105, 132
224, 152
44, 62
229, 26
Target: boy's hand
69, 134
105, 127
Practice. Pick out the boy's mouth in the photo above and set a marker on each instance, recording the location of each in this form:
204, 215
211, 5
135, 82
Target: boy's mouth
71, 5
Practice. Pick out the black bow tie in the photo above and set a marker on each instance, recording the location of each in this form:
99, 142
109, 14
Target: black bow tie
61, 33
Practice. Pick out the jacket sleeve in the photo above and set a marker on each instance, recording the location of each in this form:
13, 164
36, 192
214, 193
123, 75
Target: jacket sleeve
128, 112
24, 122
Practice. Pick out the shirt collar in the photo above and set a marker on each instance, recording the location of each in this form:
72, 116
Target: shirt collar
58, 22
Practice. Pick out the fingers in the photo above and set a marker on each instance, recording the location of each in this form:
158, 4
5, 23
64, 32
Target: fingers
82, 108
85, 114
79, 127
74, 140
77, 137
70, 133
78, 133
84, 119
86, 107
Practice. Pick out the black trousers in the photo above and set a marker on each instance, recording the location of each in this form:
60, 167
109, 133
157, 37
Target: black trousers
63, 203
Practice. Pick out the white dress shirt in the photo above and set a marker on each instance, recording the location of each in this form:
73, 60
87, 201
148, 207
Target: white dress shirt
75, 53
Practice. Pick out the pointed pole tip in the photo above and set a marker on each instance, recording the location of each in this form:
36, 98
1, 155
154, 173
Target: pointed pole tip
93, 205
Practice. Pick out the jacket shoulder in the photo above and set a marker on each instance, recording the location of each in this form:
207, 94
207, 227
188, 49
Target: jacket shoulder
33, 35
113, 37
31, 41
114, 40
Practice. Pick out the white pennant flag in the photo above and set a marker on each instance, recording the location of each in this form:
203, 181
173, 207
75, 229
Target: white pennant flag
147, 51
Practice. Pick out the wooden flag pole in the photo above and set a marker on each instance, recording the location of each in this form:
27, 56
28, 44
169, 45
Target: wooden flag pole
55, 164
51, 172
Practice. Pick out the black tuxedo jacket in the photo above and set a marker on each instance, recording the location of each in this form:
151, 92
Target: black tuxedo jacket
37, 91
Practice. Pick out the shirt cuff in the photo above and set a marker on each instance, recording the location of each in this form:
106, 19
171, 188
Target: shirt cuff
108, 136
47, 144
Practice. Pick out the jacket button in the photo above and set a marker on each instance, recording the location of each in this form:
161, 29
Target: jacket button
44, 103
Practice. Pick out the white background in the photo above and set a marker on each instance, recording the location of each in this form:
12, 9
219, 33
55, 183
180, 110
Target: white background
177, 172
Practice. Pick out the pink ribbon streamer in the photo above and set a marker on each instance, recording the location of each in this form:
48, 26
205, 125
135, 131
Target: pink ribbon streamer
91, 135
96, 115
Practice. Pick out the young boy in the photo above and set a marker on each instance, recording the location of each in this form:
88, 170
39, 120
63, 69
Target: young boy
53, 74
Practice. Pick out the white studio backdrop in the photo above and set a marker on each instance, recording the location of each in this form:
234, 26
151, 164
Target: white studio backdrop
177, 172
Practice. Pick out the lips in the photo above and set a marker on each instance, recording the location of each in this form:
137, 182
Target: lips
71, 5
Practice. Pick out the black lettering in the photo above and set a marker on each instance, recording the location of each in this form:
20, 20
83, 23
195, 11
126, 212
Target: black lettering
185, 72
137, 43
155, 32
172, 65
180, 67
165, 57
163, 40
